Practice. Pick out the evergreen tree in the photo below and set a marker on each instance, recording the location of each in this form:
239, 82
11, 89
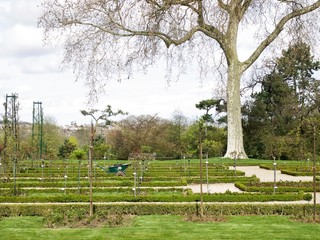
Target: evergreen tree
289, 94
66, 149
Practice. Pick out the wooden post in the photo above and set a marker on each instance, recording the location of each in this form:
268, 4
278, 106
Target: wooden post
314, 174
201, 189
90, 167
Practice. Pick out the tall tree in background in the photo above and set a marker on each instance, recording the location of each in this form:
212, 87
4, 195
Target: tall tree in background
177, 129
106, 37
296, 66
53, 137
66, 149
142, 134
289, 95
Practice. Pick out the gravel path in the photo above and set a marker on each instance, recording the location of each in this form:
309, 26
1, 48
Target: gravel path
268, 175
214, 188
263, 174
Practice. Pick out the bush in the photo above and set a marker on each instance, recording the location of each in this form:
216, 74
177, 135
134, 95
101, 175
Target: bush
307, 197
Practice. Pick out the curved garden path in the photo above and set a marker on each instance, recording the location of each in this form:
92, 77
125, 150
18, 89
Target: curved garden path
263, 174
268, 175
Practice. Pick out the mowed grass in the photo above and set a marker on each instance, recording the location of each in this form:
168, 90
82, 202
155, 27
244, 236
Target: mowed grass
165, 227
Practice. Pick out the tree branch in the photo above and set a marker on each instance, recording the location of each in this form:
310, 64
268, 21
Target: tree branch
244, 7
277, 30
224, 6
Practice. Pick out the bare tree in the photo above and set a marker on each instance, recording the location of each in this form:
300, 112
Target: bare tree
104, 37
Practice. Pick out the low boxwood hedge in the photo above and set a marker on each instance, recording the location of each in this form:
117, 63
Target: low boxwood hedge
82, 210
164, 197
281, 187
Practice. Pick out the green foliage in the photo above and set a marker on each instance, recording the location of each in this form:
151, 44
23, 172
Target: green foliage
146, 149
307, 197
282, 187
276, 119
53, 138
213, 148
73, 141
215, 141
79, 154
161, 197
101, 149
150, 209
66, 149
217, 104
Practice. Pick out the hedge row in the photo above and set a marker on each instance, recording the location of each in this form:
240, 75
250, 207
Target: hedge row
296, 173
279, 188
280, 183
27, 191
100, 174
123, 182
146, 178
173, 197
193, 173
107, 183
81, 210
292, 170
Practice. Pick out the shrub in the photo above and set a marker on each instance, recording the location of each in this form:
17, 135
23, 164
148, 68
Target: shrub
307, 197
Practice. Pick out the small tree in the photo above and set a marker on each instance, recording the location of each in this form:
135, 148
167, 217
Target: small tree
97, 116
208, 105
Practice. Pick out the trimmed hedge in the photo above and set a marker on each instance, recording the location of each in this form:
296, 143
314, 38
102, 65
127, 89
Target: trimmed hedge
78, 210
170, 197
295, 170
84, 190
282, 187
107, 183
296, 173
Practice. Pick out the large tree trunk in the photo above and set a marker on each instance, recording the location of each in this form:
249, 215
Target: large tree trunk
235, 147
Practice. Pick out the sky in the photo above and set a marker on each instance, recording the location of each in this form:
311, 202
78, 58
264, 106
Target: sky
34, 71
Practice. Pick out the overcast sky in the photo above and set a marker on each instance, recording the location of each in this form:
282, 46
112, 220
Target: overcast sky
34, 72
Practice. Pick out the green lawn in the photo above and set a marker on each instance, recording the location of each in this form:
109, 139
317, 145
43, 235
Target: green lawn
166, 227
